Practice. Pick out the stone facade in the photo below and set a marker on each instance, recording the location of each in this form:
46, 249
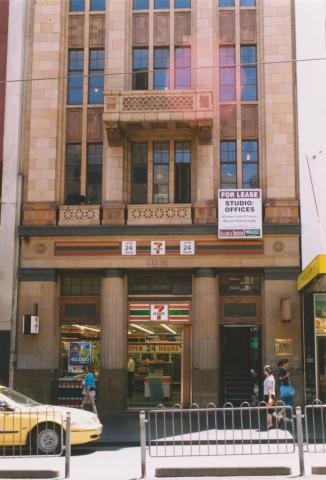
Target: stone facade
59, 238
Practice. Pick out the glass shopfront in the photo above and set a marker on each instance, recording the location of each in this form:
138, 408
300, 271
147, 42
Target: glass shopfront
320, 344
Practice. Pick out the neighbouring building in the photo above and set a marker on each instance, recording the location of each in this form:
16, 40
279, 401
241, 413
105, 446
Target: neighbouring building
311, 78
139, 112
11, 72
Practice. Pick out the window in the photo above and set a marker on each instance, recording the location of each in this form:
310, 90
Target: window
182, 67
228, 164
77, 5
182, 3
161, 160
75, 285
94, 173
239, 284
75, 74
73, 172
140, 4
98, 5
248, 73
247, 3
139, 173
226, 3
250, 177
227, 74
182, 172
140, 69
161, 68
161, 3
96, 76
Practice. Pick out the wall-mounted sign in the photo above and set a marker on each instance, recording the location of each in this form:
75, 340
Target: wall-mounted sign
31, 324
154, 348
158, 247
187, 247
128, 247
239, 213
160, 312
284, 346
144, 312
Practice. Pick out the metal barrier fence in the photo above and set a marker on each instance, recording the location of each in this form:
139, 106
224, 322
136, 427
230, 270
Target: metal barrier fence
34, 432
212, 431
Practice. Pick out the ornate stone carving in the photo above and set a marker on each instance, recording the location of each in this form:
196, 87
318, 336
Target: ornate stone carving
159, 214
162, 103
114, 133
79, 215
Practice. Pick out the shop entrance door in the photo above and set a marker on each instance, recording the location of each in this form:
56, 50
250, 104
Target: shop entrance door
158, 364
240, 363
321, 367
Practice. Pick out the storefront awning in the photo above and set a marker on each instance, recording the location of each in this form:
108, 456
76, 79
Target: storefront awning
315, 269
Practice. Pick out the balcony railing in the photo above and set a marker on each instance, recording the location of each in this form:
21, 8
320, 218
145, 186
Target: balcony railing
79, 215
168, 214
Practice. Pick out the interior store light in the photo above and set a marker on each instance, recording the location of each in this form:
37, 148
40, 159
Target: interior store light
169, 329
141, 328
82, 327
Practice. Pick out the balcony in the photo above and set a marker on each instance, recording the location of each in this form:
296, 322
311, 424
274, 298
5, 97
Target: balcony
168, 214
158, 109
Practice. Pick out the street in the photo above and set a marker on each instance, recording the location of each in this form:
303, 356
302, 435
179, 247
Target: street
123, 463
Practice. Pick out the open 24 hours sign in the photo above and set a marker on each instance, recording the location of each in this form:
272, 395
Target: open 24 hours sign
240, 213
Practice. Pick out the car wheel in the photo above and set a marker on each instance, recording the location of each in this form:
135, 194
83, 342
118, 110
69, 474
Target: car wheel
46, 440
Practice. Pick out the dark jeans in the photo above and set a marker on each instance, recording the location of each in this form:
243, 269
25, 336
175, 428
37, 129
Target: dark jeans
130, 383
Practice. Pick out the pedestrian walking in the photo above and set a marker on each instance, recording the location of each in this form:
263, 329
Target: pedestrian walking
286, 389
89, 388
269, 394
131, 372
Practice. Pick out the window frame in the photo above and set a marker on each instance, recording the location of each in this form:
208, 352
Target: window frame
228, 162
248, 65
250, 162
75, 197
75, 73
182, 68
134, 165
97, 75
140, 70
161, 68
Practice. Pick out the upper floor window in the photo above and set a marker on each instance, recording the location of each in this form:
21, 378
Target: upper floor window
75, 76
81, 284
140, 4
161, 3
139, 173
247, 3
182, 3
227, 73
77, 5
182, 67
161, 164
161, 68
96, 76
162, 186
72, 174
94, 173
228, 164
250, 170
182, 172
140, 69
248, 57
226, 3
98, 5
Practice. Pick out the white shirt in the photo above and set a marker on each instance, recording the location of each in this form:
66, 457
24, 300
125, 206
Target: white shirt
131, 365
269, 385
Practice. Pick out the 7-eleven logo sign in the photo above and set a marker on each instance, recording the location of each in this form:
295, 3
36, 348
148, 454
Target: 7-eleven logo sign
160, 312
158, 247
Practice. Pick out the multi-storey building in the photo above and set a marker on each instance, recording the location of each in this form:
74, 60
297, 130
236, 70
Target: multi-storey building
138, 113
11, 72
311, 77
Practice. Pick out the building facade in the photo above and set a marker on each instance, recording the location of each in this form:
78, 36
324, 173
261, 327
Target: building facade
139, 113
11, 69
311, 76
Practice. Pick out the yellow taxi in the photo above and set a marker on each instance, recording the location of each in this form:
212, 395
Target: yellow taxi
41, 428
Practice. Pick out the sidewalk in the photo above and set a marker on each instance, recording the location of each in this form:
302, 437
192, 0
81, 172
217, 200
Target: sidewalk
120, 429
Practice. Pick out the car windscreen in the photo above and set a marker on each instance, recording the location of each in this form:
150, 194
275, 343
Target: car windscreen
9, 394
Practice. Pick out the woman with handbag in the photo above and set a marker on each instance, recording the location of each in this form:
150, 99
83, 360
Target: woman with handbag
286, 388
89, 389
269, 394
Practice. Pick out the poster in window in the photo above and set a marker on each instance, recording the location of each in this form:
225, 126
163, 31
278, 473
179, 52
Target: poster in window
240, 213
80, 353
320, 313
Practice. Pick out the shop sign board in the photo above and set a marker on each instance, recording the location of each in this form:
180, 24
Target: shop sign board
240, 213
187, 247
283, 346
154, 348
160, 312
158, 247
80, 353
128, 247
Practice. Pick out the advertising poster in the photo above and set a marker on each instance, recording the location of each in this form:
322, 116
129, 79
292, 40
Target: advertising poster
320, 313
240, 213
80, 353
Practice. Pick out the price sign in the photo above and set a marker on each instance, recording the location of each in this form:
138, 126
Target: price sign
128, 248
187, 247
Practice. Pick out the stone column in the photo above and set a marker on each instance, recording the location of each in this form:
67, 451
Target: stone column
113, 372
37, 355
205, 337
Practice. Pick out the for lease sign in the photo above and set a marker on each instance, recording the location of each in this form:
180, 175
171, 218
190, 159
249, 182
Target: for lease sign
239, 213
